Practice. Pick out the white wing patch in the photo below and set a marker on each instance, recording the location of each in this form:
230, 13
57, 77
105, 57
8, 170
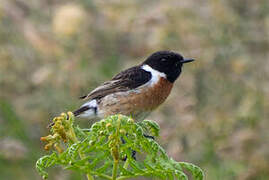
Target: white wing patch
90, 112
91, 103
155, 75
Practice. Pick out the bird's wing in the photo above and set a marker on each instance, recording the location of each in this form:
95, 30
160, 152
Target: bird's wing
124, 81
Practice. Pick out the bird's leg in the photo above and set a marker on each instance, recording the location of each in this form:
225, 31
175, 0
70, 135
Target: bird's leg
133, 152
122, 140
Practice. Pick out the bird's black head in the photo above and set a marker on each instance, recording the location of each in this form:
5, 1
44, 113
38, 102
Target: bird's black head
167, 62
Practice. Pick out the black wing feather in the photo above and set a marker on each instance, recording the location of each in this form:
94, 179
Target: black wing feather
124, 81
133, 77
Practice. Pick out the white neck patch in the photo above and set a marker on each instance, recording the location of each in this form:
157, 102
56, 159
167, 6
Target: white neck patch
156, 75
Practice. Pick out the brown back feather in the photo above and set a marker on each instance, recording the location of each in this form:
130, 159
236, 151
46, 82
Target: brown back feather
124, 81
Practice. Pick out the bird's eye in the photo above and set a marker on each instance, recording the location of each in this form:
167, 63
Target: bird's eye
163, 59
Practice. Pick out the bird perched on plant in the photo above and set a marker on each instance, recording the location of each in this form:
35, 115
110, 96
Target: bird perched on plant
135, 91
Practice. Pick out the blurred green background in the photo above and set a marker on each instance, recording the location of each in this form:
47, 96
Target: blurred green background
53, 51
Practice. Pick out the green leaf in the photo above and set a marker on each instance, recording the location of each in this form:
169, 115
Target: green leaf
196, 172
115, 138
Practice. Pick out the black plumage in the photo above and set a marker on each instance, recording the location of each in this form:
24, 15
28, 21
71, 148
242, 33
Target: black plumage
167, 62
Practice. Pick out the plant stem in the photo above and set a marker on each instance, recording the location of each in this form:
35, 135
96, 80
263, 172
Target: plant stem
73, 137
132, 176
115, 168
89, 177
115, 152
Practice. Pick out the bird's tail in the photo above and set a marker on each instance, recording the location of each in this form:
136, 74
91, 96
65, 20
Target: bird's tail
81, 110
88, 109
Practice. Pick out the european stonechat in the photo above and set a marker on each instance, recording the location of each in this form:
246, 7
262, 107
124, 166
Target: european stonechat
135, 91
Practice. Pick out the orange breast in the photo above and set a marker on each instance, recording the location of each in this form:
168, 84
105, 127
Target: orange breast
136, 102
152, 97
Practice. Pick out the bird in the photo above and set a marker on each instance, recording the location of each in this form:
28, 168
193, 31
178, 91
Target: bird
136, 91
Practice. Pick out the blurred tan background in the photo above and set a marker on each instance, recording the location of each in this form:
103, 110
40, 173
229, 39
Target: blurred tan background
53, 51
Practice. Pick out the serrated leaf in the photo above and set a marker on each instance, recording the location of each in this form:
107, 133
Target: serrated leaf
196, 172
93, 153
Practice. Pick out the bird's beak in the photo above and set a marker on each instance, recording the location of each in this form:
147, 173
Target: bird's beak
187, 61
